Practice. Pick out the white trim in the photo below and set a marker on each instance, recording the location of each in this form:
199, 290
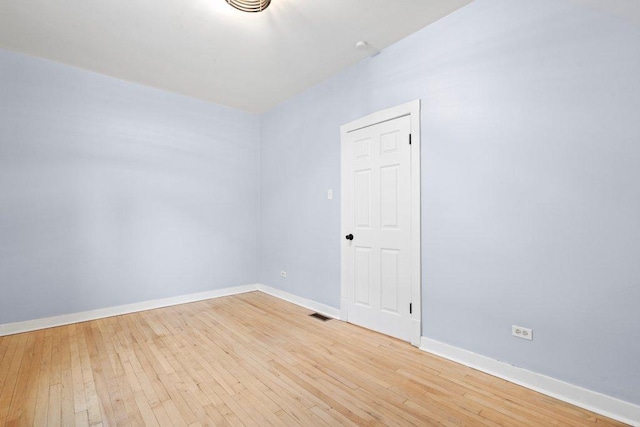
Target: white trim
411, 109
344, 309
67, 319
303, 302
416, 223
593, 401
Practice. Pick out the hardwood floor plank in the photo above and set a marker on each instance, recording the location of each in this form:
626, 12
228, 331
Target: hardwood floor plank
4, 348
66, 378
23, 393
81, 419
42, 383
11, 377
96, 391
146, 411
93, 403
250, 359
161, 415
79, 399
55, 405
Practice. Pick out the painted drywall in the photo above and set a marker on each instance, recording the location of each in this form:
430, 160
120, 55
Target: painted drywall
112, 193
530, 184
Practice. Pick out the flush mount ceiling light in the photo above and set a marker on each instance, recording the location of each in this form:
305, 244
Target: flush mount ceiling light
250, 5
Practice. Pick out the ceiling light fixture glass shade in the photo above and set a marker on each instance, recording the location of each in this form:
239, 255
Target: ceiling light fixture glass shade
250, 5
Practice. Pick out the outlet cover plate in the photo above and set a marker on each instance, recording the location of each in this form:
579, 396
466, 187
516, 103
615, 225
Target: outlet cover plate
520, 332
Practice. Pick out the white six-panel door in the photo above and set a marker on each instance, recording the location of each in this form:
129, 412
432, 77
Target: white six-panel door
377, 215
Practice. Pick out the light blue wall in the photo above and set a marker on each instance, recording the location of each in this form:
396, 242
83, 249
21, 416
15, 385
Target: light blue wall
531, 184
113, 193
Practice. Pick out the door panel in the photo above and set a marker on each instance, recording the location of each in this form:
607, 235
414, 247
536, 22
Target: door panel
389, 196
362, 191
389, 276
377, 213
362, 276
362, 148
389, 142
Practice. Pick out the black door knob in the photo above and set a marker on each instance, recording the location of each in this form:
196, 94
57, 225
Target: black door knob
349, 236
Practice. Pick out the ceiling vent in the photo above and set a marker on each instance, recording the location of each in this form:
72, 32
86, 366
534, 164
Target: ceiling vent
250, 5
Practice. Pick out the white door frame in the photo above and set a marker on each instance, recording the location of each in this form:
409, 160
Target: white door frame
411, 109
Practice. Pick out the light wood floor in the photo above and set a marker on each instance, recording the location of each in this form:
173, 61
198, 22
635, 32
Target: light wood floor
249, 359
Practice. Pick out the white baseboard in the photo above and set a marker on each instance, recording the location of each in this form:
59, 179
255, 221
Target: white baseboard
303, 302
67, 319
578, 396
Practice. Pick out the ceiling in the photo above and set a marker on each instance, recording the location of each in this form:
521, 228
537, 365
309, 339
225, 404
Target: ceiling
208, 50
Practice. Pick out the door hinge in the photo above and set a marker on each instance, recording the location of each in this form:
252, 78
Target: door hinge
409, 139
410, 308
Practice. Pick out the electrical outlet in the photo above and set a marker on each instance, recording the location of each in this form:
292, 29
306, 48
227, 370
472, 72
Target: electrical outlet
520, 332
283, 274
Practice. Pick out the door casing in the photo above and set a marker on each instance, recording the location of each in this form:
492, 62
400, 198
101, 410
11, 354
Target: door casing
411, 109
